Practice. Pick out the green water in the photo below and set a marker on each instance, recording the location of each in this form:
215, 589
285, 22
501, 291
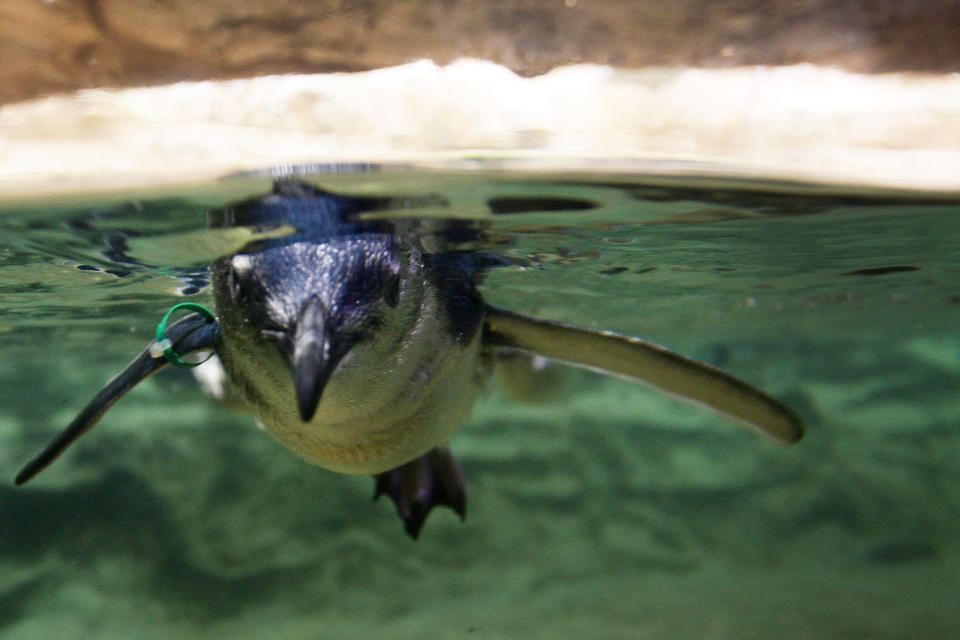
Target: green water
606, 511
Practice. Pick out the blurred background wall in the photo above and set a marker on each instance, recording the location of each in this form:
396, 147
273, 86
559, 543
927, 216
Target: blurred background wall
49, 46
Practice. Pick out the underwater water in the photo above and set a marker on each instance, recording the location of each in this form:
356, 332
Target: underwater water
603, 510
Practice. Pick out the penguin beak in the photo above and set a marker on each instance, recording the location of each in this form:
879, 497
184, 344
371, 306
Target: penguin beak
314, 354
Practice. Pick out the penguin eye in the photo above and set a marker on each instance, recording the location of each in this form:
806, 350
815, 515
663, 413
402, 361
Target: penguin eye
233, 284
239, 272
392, 293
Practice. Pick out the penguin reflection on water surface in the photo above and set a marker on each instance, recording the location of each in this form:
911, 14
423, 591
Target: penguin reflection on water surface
361, 352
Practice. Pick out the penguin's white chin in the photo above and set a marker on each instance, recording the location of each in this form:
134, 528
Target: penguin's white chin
381, 410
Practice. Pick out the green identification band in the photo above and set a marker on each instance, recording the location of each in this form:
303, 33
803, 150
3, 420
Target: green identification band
164, 343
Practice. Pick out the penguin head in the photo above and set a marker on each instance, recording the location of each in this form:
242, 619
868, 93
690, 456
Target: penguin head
314, 301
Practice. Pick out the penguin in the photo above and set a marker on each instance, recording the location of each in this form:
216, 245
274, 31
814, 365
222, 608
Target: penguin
361, 351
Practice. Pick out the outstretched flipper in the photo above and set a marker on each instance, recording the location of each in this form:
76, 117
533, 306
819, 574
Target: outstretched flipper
648, 363
417, 487
191, 333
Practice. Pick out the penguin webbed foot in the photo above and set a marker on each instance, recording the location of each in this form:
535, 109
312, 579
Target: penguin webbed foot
418, 486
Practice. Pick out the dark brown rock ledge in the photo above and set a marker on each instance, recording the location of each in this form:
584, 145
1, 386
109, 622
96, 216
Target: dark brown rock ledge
61, 45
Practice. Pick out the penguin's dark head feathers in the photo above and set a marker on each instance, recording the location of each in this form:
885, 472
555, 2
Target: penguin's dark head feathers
316, 301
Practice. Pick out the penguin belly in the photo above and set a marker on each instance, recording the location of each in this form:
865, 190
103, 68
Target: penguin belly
377, 414
391, 399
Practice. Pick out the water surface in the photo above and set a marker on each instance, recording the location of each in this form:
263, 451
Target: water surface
606, 511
